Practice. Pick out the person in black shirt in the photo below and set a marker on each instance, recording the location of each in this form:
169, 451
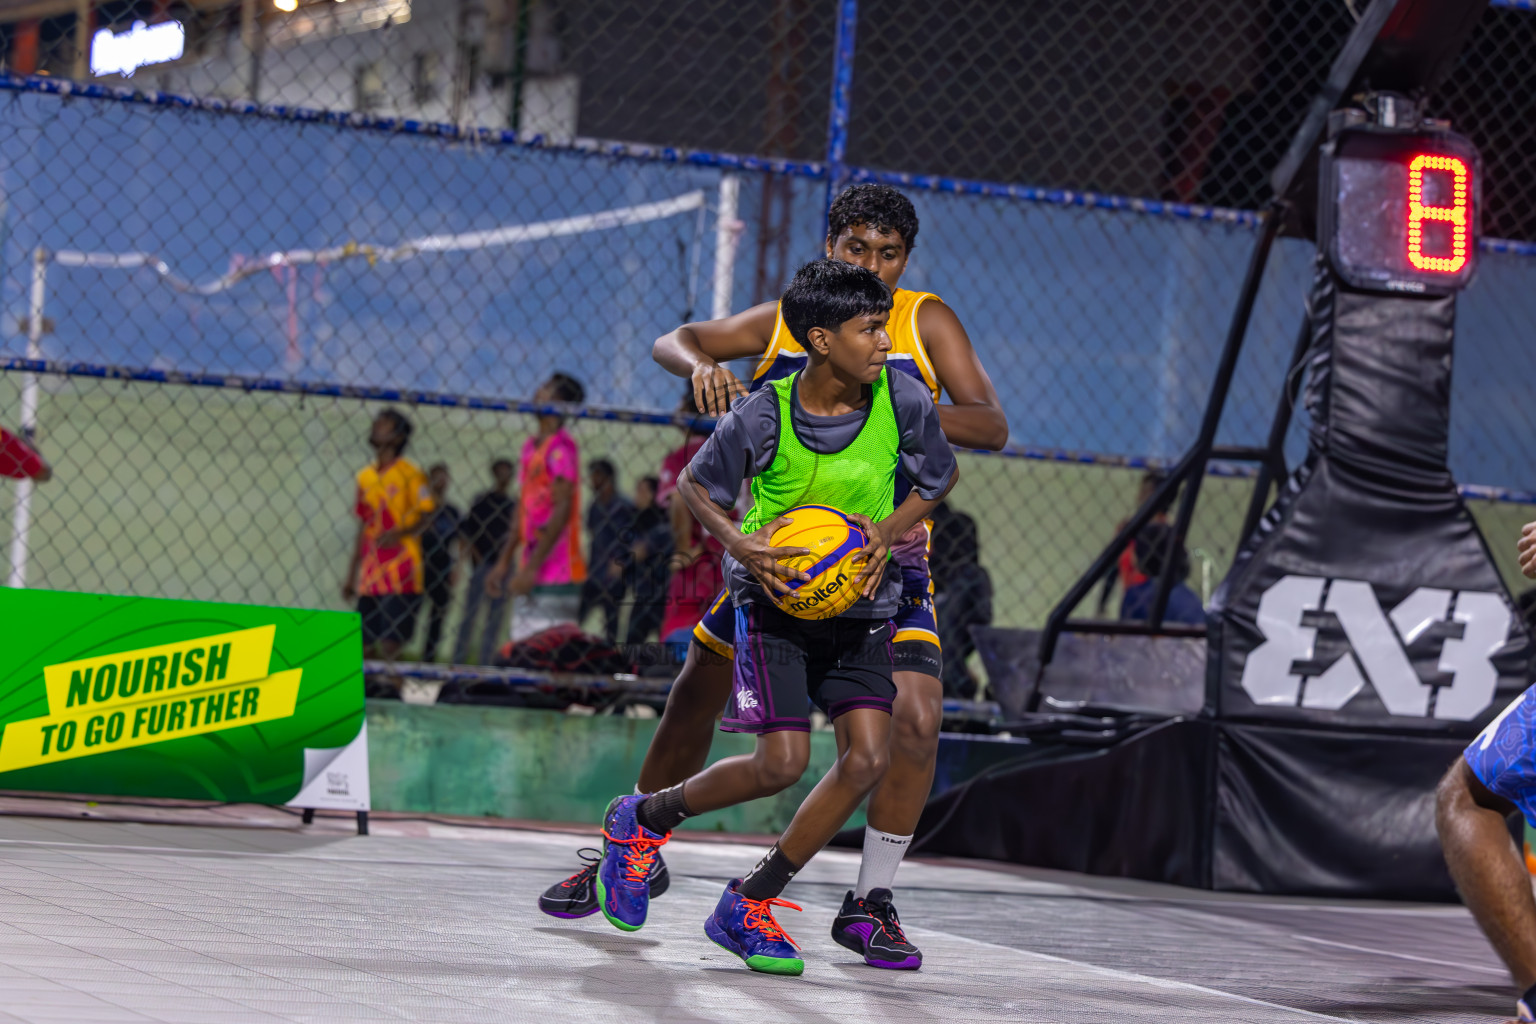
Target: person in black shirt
609, 518
486, 530
439, 556
962, 595
648, 555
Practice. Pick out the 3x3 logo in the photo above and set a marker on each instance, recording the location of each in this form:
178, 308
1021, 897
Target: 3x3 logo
1472, 626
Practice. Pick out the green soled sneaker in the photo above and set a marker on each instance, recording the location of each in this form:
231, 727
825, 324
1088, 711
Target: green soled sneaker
747, 928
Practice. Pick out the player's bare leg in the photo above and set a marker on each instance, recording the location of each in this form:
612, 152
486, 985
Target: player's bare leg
863, 756
1488, 870
916, 715
682, 738
777, 763
867, 922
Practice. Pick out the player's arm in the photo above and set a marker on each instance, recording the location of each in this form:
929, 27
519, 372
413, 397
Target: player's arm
975, 418
928, 463
695, 351
743, 444
680, 520
755, 551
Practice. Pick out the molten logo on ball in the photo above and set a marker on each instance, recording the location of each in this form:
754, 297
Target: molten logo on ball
836, 546
805, 605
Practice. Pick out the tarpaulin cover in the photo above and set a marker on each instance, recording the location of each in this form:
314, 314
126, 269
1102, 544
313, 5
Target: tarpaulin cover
1233, 807
1367, 596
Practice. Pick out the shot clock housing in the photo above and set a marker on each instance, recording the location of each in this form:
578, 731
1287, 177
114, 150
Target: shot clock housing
1398, 209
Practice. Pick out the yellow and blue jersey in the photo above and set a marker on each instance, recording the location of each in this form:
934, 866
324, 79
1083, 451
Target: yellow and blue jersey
785, 355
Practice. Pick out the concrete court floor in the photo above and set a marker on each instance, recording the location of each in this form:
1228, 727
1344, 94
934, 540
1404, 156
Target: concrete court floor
117, 921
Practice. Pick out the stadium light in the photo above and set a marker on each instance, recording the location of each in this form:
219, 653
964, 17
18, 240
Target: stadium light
141, 45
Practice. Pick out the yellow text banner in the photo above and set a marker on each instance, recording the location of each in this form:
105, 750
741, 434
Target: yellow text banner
84, 731
134, 677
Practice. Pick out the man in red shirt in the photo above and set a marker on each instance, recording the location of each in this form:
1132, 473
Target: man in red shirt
20, 461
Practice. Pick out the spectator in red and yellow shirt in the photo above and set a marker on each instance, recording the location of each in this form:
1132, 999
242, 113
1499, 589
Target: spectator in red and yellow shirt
385, 574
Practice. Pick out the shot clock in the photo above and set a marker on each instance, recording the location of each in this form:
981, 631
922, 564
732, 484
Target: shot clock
1398, 209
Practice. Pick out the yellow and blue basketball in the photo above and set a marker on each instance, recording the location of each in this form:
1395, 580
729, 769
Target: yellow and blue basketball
834, 541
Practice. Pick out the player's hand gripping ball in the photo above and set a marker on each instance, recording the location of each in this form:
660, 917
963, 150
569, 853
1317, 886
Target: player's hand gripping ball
835, 543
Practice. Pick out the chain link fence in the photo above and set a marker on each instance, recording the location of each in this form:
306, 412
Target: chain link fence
233, 232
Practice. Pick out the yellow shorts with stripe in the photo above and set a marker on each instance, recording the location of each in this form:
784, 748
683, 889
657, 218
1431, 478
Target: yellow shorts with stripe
916, 643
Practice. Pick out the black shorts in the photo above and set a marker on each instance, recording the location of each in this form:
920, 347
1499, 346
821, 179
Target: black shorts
388, 617
784, 664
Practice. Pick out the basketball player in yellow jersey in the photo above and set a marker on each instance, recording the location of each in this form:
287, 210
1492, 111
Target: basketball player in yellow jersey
875, 227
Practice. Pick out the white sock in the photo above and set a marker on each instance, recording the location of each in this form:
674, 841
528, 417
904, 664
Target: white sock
882, 856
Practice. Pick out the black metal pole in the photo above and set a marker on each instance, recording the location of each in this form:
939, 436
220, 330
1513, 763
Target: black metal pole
1200, 454
1273, 467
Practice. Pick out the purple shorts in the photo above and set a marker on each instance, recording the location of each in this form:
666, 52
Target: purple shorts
917, 631
783, 665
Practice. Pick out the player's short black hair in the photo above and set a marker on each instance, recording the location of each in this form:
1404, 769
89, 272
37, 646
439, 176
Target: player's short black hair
498, 463
402, 426
879, 206
1153, 545
437, 466
567, 388
603, 466
654, 482
827, 293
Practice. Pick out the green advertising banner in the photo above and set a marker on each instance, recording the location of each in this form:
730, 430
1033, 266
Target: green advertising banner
150, 697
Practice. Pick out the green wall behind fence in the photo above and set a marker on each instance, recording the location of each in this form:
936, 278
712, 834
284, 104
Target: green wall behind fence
542, 765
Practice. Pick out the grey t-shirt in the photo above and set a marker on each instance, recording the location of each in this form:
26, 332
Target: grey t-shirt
747, 438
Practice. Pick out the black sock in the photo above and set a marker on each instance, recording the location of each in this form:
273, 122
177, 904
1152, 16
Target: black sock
1528, 1001
769, 878
663, 810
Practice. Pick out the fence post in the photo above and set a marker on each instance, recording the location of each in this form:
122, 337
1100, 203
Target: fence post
727, 230
842, 97
21, 515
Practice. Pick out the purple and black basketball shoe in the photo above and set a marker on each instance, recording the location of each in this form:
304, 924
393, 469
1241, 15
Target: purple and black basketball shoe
871, 929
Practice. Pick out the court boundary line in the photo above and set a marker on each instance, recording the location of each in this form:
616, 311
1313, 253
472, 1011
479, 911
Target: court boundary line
1147, 979
1400, 956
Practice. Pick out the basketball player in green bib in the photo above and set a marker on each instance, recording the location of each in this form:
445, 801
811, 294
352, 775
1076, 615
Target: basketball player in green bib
833, 434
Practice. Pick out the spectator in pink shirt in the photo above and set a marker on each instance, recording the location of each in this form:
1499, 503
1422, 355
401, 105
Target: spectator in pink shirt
546, 537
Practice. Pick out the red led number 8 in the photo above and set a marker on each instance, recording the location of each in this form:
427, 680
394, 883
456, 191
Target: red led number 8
1455, 214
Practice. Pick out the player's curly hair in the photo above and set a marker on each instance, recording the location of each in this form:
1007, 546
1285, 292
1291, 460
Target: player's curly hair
880, 206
